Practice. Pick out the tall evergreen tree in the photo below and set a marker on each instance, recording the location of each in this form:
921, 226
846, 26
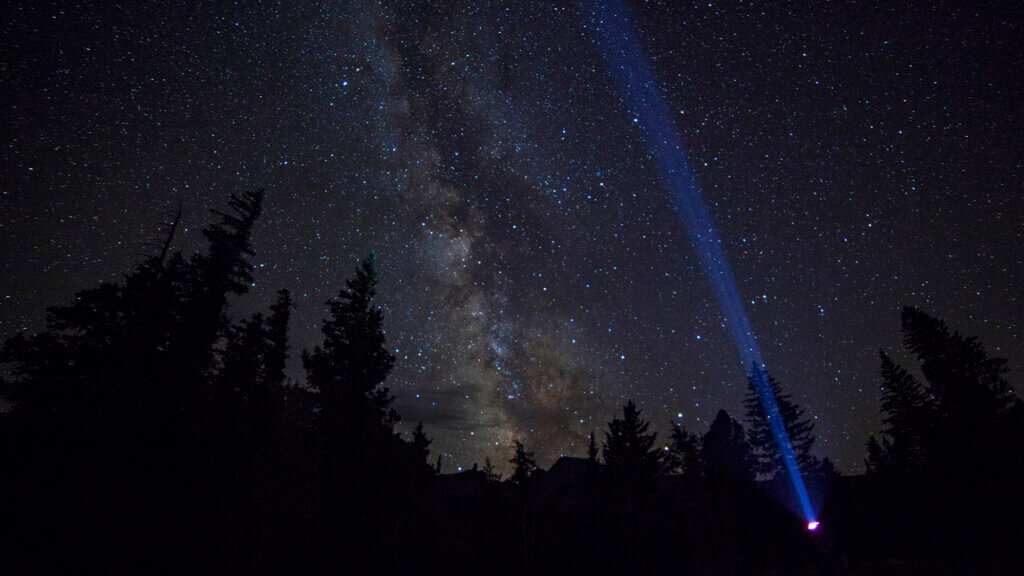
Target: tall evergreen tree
113, 391
277, 338
241, 377
684, 451
906, 414
592, 450
101, 348
877, 459
725, 452
523, 464
767, 456
349, 368
629, 452
489, 472
420, 444
973, 417
942, 461
965, 382
127, 346
220, 272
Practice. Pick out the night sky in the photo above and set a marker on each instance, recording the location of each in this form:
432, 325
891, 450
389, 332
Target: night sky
535, 275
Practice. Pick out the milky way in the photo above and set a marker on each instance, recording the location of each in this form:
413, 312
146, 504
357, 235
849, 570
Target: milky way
534, 274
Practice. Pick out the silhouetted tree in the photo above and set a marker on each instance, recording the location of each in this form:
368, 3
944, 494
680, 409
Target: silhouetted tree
962, 418
277, 339
825, 470
489, 471
725, 452
242, 376
906, 413
965, 382
523, 464
684, 452
349, 368
946, 438
592, 450
420, 444
115, 393
124, 350
876, 460
629, 455
222, 271
767, 456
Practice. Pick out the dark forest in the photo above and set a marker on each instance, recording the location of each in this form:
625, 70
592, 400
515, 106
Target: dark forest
147, 433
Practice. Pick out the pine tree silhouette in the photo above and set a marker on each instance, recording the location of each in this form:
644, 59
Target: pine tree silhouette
119, 347
877, 459
277, 339
222, 271
350, 366
592, 449
489, 471
965, 382
964, 417
725, 452
355, 417
906, 413
420, 444
242, 376
683, 456
767, 456
114, 393
941, 464
628, 449
523, 464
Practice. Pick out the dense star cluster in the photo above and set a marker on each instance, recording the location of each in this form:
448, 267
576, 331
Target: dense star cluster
534, 274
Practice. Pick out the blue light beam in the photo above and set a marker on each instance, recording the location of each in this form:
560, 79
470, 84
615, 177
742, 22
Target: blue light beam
629, 66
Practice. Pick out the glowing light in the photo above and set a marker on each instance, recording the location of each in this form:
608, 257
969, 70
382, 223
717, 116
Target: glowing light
628, 64
812, 526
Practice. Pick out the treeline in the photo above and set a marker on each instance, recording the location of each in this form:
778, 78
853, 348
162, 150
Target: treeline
945, 471
148, 433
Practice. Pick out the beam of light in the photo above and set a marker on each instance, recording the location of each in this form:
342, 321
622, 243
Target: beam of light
628, 65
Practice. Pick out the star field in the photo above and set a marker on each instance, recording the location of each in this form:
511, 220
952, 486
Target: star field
855, 159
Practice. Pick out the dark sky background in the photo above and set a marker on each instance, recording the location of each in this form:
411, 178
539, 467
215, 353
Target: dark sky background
855, 157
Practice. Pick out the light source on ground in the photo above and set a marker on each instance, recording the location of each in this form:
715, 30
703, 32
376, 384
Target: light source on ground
813, 525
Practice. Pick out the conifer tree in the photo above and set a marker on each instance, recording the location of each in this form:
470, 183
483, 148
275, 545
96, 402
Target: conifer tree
242, 374
966, 383
592, 450
725, 452
683, 455
489, 471
629, 452
127, 346
113, 391
523, 464
767, 456
906, 412
277, 339
349, 368
961, 422
222, 271
420, 445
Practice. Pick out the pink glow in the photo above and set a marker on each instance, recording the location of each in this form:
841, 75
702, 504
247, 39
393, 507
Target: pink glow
812, 526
